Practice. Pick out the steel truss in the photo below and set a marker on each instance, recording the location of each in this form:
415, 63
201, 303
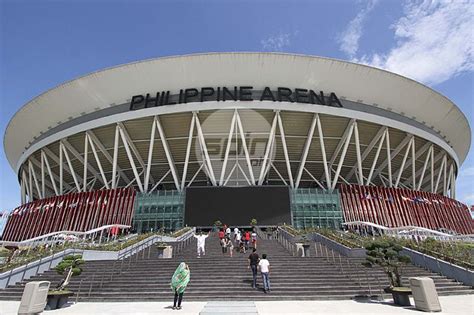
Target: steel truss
319, 161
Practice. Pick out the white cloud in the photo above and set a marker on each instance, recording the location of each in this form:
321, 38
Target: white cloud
468, 171
277, 42
349, 39
435, 42
467, 199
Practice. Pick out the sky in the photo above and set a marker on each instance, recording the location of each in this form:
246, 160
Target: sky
44, 43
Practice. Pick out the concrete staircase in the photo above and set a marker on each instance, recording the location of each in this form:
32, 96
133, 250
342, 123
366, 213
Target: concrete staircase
144, 277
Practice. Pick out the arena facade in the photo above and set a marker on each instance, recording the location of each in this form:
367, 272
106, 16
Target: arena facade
348, 141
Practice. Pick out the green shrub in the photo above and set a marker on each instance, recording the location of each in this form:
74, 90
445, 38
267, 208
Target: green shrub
386, 253
69, 267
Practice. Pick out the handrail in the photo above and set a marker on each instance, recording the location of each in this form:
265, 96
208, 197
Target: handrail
38, 264
128, 253
285, 239
398, 230
77, 233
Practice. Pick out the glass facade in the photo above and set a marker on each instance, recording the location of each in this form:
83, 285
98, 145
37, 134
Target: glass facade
312, 207
163, 209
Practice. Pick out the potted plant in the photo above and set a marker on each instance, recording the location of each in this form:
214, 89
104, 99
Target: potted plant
386, 253
253, 222
69, 267
217, 225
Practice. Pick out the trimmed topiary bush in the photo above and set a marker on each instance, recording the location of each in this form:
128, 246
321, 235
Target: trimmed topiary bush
386, 253
69, 267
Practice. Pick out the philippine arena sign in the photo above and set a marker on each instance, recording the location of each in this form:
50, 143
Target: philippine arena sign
236, 93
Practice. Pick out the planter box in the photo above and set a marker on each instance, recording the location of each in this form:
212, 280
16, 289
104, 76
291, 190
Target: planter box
401, 295
56, 301
302, 249
165, 252
91, 255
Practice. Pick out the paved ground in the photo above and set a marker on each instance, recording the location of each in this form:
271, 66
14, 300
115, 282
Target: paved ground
452, 305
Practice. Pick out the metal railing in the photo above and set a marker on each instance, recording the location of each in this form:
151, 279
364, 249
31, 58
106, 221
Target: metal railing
342, 263
135, 253
407, 231
285, 239
53, 237
33, 268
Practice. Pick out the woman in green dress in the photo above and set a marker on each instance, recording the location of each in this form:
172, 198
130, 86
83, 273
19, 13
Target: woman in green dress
179, 282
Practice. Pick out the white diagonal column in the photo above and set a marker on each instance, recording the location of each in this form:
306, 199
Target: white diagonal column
227, 150
360, 178
367, 150
246, 151
169, 157
404, 161
51, 175
425, 165
268, 149
99, 164
130, 159
343, 155
374, 162
323, 152
188, 152
203, 146
150, 155
285, 150
309, 140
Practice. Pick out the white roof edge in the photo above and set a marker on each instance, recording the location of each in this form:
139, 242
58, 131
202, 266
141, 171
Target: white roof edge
29, 103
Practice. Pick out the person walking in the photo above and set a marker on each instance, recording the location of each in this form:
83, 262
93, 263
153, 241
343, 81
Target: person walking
264, 265
230, 246
247, 239
237, 238
227, 232
201, 244
179, 281
236, 231
254, 239
253, 263
224, 244
221, 235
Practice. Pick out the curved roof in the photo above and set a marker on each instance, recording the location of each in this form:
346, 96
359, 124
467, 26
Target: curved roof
351, 81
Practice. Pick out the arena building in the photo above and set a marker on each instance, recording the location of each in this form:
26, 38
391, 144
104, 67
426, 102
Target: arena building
192, 139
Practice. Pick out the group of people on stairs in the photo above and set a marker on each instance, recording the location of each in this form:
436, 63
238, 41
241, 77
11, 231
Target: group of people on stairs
182, 275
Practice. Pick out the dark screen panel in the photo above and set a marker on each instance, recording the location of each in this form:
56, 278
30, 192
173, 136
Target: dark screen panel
270, 205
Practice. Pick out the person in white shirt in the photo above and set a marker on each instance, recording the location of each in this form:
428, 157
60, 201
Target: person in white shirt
254, 239
236, 231
201, 244
227, 232
264, 266
238, 237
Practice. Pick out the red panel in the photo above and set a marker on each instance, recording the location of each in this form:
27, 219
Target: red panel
74, 212
402, 207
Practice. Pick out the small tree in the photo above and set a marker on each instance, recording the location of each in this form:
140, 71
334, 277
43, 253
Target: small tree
217, 223
386, 253
69, 267
253, 222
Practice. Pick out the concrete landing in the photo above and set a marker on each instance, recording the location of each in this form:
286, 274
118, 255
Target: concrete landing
452, 305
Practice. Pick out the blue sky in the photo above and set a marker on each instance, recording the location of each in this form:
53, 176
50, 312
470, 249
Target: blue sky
44, 43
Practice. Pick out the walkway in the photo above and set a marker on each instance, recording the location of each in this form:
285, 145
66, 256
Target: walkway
452, 305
